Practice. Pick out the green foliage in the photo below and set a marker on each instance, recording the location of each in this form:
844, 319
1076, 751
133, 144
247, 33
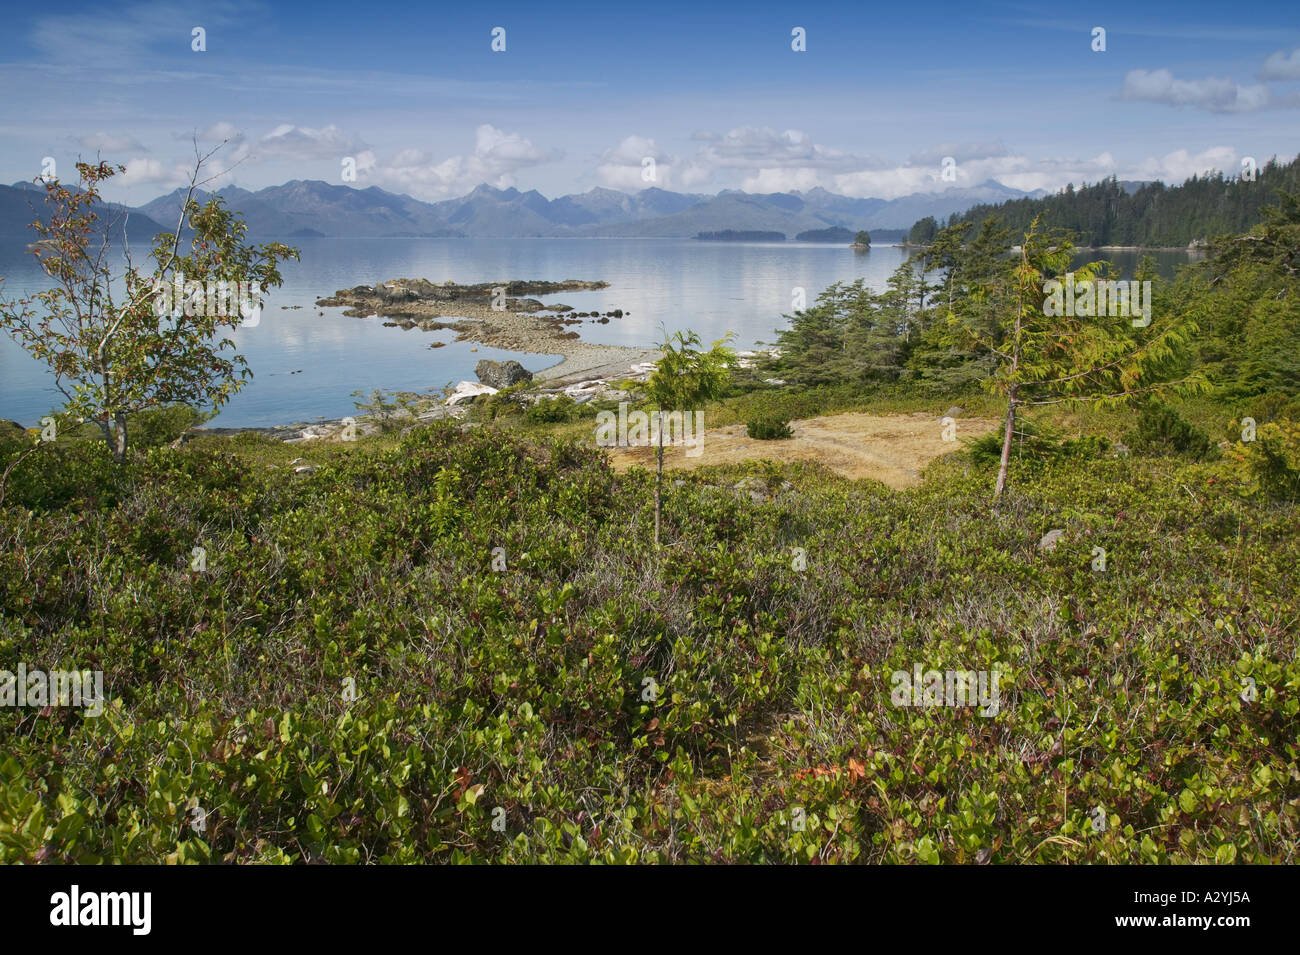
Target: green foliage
769, 429
529, 690
1272, 461
1154, 214
163, 425
551, 410
850, 334
1161, 430
923, 231
506, 405
685, 376
379, 407
116, 356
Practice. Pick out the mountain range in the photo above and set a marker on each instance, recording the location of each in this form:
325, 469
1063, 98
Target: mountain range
303, 208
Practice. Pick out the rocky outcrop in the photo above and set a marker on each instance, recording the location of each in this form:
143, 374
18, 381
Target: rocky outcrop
501, 374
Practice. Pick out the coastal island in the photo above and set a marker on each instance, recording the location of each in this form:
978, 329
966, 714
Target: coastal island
739, 235
837, 234
499, 314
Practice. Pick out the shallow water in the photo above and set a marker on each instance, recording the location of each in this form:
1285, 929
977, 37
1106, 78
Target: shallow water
711, 287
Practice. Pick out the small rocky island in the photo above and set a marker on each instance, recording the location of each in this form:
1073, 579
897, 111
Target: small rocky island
413, 297
500, 314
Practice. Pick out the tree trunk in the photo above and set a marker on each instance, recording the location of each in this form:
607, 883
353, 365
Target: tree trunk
119, 437
659, 476
106, 429
1006, 444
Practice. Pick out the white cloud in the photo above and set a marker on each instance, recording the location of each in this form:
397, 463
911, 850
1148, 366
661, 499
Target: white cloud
497, 157
1282, 66
1175, 167
752, 147
782, 180
962, 152
623, 167
110, 143
1213, 94
153, 172
221, 132
288, 141
771, 161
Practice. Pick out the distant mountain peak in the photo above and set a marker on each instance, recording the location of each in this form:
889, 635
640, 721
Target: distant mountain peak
311, 206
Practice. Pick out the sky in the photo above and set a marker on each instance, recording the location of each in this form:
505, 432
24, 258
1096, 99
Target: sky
415, 100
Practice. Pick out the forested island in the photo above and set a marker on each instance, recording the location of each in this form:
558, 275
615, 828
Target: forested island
833, 234
1111, 214
736, 235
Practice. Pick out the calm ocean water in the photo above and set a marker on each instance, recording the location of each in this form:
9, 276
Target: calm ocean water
711, 287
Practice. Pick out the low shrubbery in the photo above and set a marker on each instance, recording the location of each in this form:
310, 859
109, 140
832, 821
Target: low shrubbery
349, 679
1272, 460
554, 410
1162, 430
769, 429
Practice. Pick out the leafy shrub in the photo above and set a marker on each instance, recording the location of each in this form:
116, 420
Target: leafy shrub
159, 426
60, 474
1086, 446
380, 407
1162, 430
1273, 406
1272, 460
552, 410
1031, 441
769, 429
506, 405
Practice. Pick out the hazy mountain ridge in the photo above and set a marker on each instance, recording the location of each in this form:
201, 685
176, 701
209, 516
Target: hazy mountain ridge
312, 207
24, 202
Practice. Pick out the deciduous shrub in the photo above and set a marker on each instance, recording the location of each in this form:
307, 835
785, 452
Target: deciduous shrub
769, 429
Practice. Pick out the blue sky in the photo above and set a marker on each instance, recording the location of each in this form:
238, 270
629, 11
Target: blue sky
584, 93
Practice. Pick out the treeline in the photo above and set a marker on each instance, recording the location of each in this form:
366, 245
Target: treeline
1154, 215
1243, 298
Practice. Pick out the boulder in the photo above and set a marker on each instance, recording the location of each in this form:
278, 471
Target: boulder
497, 374
1049, 540
395, 293
468, 391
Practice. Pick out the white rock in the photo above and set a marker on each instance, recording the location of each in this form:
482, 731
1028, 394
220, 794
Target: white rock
468, 391
1048, 542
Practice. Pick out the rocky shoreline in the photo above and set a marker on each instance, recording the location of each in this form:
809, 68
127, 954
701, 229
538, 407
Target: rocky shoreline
499, 314
597, 382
